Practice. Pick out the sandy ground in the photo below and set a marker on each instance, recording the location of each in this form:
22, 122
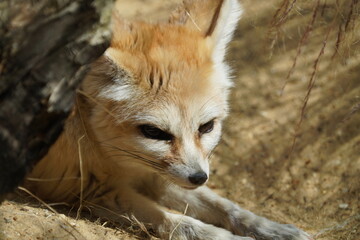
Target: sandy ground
316, 185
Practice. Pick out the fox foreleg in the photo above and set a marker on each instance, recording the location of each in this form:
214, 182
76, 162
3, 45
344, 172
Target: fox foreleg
207, 206
184, 228
166, 224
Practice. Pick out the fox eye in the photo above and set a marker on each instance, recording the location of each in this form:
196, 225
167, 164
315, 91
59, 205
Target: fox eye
206, 127
155, 133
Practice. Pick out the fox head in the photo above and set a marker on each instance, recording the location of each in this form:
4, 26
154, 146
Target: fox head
161, 90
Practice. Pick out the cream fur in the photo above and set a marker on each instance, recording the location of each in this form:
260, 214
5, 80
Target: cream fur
171, 76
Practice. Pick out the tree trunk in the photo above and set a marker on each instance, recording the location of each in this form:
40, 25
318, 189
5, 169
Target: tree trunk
45, 51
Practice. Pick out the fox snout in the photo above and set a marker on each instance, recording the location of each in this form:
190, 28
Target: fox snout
189, 174
198, 178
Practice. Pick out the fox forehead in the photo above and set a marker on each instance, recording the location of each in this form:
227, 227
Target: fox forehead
172, 74
162, 56
165, 43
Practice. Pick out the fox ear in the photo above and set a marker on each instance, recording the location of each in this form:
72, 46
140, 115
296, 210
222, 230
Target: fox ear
123, 31
216, 19
107, 80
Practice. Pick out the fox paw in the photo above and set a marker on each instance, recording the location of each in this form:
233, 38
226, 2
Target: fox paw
276, 231
186, 228
246, 223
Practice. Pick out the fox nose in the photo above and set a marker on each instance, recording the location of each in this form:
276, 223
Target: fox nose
198, 178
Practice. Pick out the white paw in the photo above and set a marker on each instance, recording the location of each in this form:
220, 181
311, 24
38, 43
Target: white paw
271, 231
247, 223
186, 228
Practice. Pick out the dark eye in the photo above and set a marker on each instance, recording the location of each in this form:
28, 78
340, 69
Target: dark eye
155, 133
206, 127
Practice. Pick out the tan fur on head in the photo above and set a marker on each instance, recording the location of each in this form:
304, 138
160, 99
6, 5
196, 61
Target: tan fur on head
187, 48
157, 57
147, 118
168, 75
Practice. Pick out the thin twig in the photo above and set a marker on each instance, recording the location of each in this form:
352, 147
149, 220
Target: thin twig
349, 17
337, 226
177, 225
50, 179
81, 178
303, 39
309, 90
193, 21
62, 217
96, 101
354, 109
338, 41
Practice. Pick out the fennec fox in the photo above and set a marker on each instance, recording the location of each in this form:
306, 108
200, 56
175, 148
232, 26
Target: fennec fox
147, 118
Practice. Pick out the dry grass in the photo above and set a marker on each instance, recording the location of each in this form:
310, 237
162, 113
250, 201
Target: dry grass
345, 20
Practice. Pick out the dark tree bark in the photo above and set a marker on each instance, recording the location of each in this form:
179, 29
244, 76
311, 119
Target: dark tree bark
45, 51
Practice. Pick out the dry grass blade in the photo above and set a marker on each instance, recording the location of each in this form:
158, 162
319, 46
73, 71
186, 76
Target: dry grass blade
282, 13
96, 102
131, 220
350, 14
345, 27
308, 93
338, 41
141, 225
354, 110
177, 225
50, 179
193, 21
337, 226
277, 20
302, 42
81, 178
62, 217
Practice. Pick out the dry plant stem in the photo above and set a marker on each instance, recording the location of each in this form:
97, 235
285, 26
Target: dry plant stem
341, 32
349, 17
81, 178
193, 21
338, 226
38, 199
309, 89
132, 219
95, 101
338, 41
53, 210
277, 21
284, 5
79, 112
50, 179
354, 109
177, 225
142, 227
90, 204
286, 13
323, 8
275, 24
303, 39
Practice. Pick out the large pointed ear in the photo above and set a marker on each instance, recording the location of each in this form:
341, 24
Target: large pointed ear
123, 31
215, 19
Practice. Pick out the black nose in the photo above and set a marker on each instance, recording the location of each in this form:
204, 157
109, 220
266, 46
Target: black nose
198, 178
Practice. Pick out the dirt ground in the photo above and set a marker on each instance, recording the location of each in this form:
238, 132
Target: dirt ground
314, 183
